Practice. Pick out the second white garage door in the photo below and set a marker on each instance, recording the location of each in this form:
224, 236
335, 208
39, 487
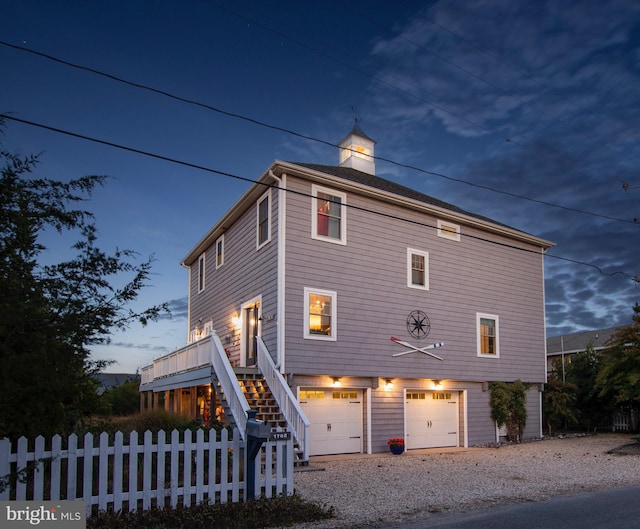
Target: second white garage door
432, 419
336, 420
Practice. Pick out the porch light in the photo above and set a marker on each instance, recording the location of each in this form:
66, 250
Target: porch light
336, 382
437, 384
388, 384
237, 322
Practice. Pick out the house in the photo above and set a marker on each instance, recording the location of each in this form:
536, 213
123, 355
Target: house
107, 381
560, 349
350, 309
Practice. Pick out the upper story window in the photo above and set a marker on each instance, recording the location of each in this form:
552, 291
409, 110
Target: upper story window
220, 251
448, 230
417, 269
329, 215
488, 341
264, 219
320, 314
201, 273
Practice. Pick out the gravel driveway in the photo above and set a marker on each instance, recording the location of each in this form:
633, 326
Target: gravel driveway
369, 490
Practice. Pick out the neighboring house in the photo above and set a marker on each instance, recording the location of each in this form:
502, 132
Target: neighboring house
334, 282
560, 349
109, 381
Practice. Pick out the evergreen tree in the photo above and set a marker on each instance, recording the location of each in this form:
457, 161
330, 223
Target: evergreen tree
619, 376
559, 402
50, 315
593, 408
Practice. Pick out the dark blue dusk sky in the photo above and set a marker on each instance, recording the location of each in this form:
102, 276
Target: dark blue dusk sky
502, 99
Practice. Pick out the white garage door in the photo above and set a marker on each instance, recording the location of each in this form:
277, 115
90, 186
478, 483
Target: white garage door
336, 420
432, 419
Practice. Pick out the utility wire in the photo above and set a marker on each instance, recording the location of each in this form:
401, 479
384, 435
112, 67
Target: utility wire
305, 136
300, 193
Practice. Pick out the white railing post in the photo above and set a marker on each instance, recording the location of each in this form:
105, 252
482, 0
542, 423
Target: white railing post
229, 383
285, 398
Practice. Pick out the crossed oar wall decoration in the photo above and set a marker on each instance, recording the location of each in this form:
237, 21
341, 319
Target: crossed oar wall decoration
415, 349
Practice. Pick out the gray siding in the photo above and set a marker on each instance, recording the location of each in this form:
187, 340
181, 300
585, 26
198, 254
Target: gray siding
373, 301
247, 273
369, 275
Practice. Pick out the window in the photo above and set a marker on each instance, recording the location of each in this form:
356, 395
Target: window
329, 215
319, 314
201, 271
417, 269
220, 251
488, 344
448, 230
263, 219
308, 394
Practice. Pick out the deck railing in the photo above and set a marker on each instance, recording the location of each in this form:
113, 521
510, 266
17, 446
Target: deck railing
192, 356
208, 351
289, 406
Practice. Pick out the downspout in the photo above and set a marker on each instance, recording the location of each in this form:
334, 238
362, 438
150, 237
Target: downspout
280, 312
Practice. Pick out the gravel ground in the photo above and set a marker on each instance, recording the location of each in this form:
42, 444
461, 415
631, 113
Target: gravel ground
369, 491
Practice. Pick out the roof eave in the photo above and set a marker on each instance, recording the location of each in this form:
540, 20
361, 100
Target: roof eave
443, 213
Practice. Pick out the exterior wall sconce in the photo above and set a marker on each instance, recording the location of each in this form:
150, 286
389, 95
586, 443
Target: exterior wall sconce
437, 384
388, 384
237, 322
336, 382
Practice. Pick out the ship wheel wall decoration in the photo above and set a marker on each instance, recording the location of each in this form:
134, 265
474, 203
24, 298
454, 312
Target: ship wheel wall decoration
418, 324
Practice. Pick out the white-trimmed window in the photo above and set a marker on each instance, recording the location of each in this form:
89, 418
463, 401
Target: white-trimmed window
448, 230
488, 335
263, 216
329, 215
417, 269
320, 314
201, 273
220, 251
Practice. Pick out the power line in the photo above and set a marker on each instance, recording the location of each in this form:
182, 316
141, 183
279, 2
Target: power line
305, 136
252, 181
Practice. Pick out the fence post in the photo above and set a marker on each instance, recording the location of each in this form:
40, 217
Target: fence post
87, 474
56, 466
5, 467
21, 459
117, 471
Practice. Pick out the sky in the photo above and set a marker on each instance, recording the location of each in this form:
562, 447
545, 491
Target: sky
525, 112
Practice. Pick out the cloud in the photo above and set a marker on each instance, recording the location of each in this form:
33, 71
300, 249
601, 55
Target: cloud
559, 82
178, 308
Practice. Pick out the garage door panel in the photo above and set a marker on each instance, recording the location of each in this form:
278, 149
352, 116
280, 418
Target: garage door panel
335, 420
432, 419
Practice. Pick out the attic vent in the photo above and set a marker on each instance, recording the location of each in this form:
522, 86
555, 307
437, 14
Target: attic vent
448, 230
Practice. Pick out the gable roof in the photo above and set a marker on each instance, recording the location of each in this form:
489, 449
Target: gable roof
353, 175
577, 342
362, 180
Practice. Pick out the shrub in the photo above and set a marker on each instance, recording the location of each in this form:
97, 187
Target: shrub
261, 513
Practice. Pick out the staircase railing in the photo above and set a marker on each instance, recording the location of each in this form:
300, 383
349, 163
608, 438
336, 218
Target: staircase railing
229, 383
289, 406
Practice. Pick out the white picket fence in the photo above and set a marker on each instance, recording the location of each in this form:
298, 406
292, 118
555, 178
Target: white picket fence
118, 474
